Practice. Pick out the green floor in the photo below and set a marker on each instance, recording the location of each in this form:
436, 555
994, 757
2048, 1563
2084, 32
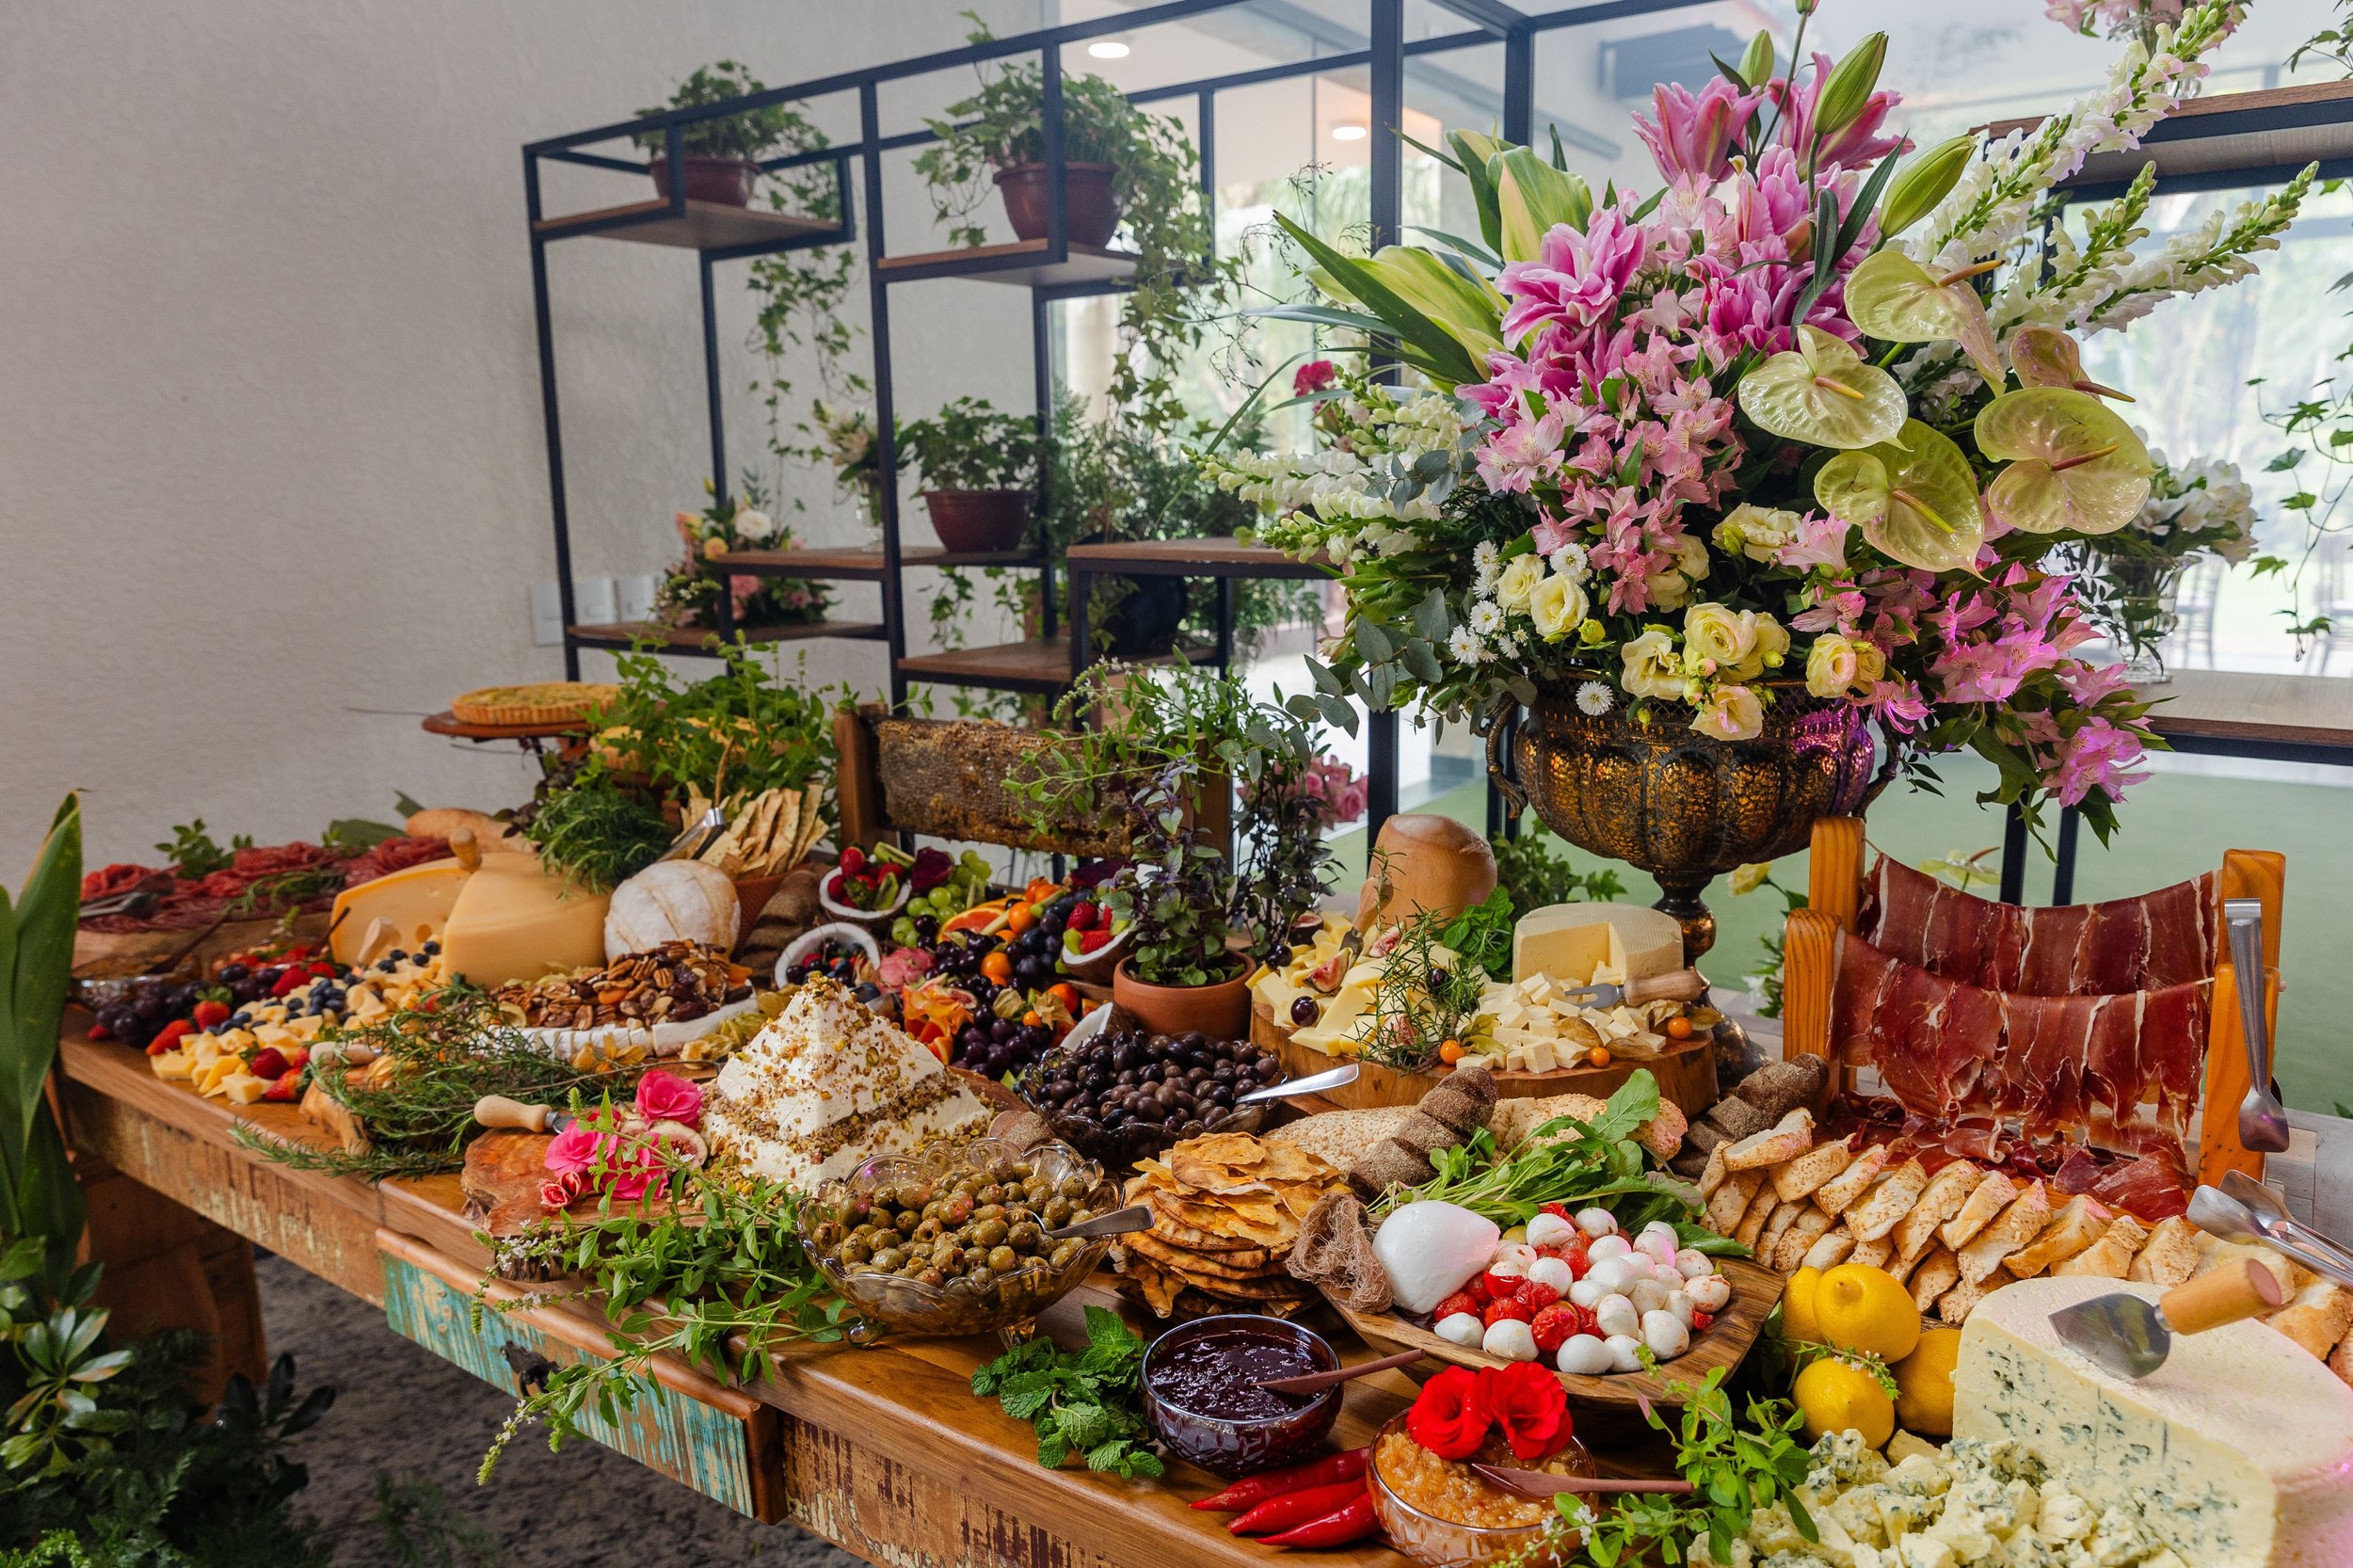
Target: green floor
2174, 826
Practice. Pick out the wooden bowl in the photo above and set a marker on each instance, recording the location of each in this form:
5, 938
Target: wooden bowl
1608, 1409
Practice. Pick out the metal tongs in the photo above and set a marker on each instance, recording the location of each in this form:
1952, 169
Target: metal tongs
703, 832
2262, 1123
2245, 1211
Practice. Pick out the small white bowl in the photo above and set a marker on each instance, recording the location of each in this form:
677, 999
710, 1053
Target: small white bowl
852, 913
817, 936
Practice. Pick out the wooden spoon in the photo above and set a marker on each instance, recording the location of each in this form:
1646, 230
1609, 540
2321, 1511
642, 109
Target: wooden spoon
1537, 1485
1315, 1383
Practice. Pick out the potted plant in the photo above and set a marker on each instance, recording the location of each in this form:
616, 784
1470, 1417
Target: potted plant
722, 155
980, 471
689, 595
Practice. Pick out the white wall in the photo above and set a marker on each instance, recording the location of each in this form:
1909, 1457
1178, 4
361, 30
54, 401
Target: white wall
272, 482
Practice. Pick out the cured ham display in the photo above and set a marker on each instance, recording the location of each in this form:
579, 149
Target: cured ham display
2159, 939
2123, 1068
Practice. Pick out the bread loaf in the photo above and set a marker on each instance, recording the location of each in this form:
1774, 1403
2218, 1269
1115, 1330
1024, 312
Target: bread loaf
1424, 864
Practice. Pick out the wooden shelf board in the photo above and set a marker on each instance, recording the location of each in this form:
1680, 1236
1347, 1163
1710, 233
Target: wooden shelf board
691, 639
446, 723
2312, 711
1022, 262
1041, 664
857, 565
1193, 558
707, 226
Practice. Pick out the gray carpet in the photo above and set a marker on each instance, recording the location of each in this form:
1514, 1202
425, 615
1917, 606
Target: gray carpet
398, 1407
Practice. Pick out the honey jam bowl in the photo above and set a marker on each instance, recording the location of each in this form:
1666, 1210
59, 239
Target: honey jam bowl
1203, 1399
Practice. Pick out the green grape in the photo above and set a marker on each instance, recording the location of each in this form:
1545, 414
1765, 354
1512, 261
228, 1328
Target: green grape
903, 931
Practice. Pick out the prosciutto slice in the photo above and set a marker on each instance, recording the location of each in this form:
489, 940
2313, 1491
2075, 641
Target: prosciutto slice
2159, 939
2121, 1068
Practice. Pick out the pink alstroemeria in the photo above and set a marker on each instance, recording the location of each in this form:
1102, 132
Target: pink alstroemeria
2096, 757
1577, 281
1694, 135
1822, 541
1899, 704
1517, 455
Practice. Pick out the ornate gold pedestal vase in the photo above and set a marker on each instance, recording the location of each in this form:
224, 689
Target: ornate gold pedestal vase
1637, 784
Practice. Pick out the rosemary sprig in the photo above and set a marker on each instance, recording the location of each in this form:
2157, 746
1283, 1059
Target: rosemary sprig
1428, 994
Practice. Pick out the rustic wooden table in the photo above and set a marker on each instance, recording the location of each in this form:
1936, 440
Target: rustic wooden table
883, 1450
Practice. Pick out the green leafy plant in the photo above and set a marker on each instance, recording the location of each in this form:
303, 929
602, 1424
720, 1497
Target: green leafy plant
1482, 933
1534, 875
969, 446
748, 135
192, 851
1736, 1470
39, 1201
744, 728
1087, 1402
595, 829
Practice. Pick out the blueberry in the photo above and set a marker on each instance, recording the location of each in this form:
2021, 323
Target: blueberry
385, 966
397, 956
430, 948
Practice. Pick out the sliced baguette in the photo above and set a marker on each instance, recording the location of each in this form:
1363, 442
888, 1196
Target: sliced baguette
1954, 1306
1784, 1215
1798, 1179
2078, 1222
1936, 1273
2341, 1359
1712, 1177
2169, 1256
1760, 1212
1938, 1201
1828, 1250
2110, 1256
1730, 1201
2317, 1317
2016, 1225
1877, 1212
1872, 1254
1810, 1226
1852, 1182
1785, 1140
1988, 1198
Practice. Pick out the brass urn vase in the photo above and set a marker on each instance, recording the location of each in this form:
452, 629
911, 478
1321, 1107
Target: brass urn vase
1637, 783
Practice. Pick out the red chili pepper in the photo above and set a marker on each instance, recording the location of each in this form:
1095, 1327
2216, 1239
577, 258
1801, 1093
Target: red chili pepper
1283, 1511
1352, 1523
1251, 1491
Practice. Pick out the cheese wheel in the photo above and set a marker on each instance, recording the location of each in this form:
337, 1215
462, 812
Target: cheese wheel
2234, 1453
512, 920
414, 902
1580, 943
1424, 864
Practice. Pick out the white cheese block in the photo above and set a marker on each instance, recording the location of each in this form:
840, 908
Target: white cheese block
2237, 1453
661, 1039
1580, 943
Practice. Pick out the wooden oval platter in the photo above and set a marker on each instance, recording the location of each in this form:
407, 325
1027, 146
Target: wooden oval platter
1608, 1409
1686, 1072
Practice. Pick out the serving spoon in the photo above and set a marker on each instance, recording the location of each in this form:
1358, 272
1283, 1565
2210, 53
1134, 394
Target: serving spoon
1536, 1486
1119, 1221
1315, 1383
1314, 1083
2262, 1122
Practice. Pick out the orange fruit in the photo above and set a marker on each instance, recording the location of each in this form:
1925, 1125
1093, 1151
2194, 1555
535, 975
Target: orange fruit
998, 966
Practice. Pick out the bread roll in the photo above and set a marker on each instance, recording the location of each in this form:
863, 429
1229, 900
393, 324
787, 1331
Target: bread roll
1424, 864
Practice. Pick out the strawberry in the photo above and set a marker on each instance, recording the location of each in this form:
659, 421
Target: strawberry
269, 1063
1462, 1300
297, 1059
1535, 1297
852, 861
322, 970
1502, 1308
168, 1036
1083, 916
1554, 1324
288, 982
1092, 941
287, 1089
211, 1015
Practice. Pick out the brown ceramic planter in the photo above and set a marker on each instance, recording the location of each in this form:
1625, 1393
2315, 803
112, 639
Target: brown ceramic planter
1092, 212
978, 521
724, 181
1221, 1011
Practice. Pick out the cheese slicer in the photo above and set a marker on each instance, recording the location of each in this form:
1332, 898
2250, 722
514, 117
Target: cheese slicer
2131, 1335
2262, 1123
1681, 985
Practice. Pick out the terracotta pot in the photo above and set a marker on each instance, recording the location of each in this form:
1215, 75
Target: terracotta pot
1679, 804
1091, 212
727, 182
1221, 1011
978, 521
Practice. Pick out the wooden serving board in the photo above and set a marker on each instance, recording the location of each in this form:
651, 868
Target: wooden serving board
1686, 1072
1608, 1409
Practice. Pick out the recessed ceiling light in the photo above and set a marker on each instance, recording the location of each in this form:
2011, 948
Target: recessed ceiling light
1108, 49
1348, 130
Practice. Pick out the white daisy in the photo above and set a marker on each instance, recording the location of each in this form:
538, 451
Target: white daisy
1465, 644
1486, 618
1569, 561
1484, 562
1594, 698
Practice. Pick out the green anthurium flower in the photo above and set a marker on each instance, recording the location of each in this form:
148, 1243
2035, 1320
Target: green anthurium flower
2046, 357
1895, 298
2076, 466
1914, 498
1823, 394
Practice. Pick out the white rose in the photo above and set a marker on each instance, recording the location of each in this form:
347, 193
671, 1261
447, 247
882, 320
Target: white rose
754, 524
1519, 581
1668, 590
1711, 632
1832, 666
1557, 606
1652, 666
1772, 642
1730, 713
1756, 532
1691, 558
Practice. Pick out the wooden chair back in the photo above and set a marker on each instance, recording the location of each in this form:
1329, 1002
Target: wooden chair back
1835, 903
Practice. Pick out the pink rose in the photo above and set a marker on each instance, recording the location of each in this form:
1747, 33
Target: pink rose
633, 1167
668, 1097
573, 1151
1314, 376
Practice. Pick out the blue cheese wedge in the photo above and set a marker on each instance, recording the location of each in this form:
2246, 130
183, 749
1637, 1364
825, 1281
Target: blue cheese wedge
827, 1086
2237, 1453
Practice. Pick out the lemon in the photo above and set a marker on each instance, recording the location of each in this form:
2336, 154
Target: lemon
1863, 1309
1835, 1396
1796, 1305
1924, 1383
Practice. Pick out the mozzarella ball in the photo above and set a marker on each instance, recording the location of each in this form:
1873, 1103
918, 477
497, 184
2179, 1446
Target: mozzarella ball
1549, 1230
1693, 1264
1616, 1315
1585, 1355
1666, 1335
1709, 1294
1512, 1257
1587, 1292
1552, 1271
1639, 1266
1658, 1241
1611, 1274
1680, 1303
1648, 1295
1596, 1222
1613, 1245
1510, 1339
1625, 1352
1462, 1328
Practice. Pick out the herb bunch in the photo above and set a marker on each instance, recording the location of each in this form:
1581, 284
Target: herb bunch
192, 851
1482, 934
1735, 1471
1428, 994
745, 727
592, 828
1529, 870
1087, 1402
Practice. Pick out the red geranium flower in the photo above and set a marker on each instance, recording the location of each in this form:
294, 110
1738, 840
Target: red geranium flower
1314, 376
1450, 1418
1531, 1407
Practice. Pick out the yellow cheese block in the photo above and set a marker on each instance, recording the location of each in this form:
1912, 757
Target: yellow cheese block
242, 1088
416, 902
513, 921
1580, 943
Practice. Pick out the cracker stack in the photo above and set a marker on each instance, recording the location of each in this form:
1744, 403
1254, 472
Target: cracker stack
1226, 1211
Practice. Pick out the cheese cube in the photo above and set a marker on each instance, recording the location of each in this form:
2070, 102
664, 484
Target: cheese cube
209, 1079
242, 1088
170, 1065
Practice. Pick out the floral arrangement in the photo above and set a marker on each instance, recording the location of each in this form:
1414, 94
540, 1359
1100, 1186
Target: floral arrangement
846, 442
619, 1154
1804, 423
2131, 574
689, 595
1459, 1409
2135, 19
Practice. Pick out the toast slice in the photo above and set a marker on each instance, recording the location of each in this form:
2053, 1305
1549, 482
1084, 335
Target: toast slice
2169, 1256
1938, 1201
2011, 1229
1785, 1140
1877, 1212
2078, 1222
1798, 1177
2110, 1256
1988, 1198
1852, 1182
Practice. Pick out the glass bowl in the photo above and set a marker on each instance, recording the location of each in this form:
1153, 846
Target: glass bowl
1237, 1446
913, 1305
1440, 1543
1119, 1147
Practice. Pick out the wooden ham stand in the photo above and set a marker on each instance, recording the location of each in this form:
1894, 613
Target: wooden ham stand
1835, 902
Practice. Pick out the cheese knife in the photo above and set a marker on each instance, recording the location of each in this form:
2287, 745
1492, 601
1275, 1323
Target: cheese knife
1681, 985
2131, 1335
496, 1110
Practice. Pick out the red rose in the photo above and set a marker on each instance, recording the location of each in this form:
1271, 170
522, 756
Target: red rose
1531, 1406
1314, 376
1450, 1418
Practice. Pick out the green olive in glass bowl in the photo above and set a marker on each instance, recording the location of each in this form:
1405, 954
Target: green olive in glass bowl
952, 1239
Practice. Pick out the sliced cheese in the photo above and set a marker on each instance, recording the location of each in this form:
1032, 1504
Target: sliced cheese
512, 920
1580, 943
415, 902
2237, 1453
